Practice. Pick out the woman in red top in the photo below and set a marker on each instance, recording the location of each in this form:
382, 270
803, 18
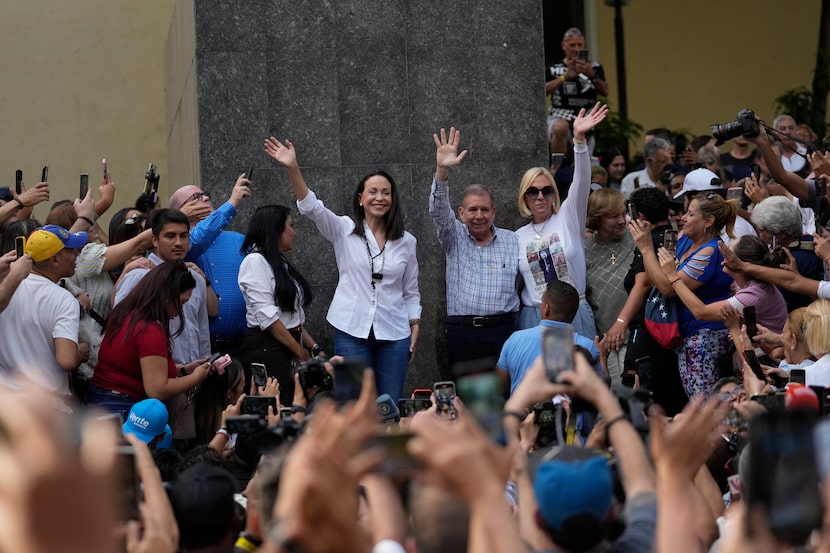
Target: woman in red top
134, 362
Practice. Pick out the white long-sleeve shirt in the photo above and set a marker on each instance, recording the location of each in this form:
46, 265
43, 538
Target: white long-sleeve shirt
359, 307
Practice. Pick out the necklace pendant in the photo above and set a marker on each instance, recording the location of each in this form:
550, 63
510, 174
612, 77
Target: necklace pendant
538, 237
613, 259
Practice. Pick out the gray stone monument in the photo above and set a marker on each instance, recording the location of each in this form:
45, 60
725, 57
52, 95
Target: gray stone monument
356, 86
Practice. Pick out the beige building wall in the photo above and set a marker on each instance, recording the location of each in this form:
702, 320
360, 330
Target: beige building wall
81, 80
691, 64
180, 96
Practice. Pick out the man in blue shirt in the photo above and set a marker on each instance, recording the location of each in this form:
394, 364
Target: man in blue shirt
216, 252
560, 302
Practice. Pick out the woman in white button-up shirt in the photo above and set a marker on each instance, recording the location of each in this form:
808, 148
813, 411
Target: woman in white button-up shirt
376, 307
276, 296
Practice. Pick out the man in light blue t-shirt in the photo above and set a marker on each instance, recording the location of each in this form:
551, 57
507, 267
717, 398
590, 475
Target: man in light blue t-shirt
560, 302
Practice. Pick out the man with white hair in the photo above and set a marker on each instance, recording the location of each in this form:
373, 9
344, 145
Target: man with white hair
778, 220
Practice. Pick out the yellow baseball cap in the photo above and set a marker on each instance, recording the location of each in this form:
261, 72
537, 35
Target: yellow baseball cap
47, 241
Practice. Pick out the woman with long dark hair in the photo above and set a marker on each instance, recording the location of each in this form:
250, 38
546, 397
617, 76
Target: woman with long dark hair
215, 394
135, 362
276, 296
376, 309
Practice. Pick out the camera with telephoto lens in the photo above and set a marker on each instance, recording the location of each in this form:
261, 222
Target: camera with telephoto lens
744, 125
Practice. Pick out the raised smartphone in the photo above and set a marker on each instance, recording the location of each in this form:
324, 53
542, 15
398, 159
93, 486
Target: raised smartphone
258, 405
750, 321
20, 246
84, 187
260, 374
755, 365
670, 241
348, 380
479, 387
557, 350
409, 406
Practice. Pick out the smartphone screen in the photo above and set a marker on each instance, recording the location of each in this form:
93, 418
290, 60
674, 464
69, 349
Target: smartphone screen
483, 397
250, 174
750, 322
583, 55
84, 188
444, 393
44, 174
633, 214
18, 180
20, 246
409, 406
734, 193
783, 475
348, 380
756, 171
106, 171
445, 389
258, 405
755, 365
260, 374
285, 413
670, 241
556, 161
798, 376
557, 350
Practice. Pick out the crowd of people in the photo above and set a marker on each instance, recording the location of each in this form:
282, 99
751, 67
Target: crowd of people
161, 388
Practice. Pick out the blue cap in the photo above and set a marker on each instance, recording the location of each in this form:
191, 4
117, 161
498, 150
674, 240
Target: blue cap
147, 420
566, 489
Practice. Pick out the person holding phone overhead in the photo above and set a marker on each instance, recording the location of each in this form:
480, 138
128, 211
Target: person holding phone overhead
276, 296
572, 84
376, 309
556, 232
697, 277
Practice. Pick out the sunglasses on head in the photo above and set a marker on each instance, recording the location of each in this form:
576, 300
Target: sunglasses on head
533, 192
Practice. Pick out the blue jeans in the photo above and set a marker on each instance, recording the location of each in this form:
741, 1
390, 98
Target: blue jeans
388, 358
114, 402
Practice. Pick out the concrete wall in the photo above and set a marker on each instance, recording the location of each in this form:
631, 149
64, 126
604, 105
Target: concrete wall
363, 85
82, 80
